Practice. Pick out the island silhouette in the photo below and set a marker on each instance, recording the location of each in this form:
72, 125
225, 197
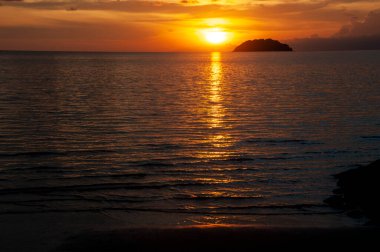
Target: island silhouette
260, 45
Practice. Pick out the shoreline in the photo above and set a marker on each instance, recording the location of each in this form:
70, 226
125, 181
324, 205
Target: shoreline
48, 232
221, 238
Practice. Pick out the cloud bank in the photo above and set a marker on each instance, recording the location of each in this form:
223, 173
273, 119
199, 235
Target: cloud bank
140, 25
359, 35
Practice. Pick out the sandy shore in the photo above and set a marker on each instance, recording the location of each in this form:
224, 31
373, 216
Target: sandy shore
222, 238
58, 232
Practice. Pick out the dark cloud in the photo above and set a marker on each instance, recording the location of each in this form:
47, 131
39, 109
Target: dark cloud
369, 27
182, 6
132, 6
364, 35
189, 1
287, 18
302, 12
71, 9
78, 30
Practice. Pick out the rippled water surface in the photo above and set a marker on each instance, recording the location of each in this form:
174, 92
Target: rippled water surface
201, 138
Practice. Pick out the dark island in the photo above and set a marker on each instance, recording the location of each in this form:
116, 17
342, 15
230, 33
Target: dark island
262, 45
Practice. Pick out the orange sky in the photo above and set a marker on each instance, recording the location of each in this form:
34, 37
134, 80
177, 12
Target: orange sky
136, 25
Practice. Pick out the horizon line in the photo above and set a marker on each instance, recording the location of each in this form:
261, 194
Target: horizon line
80, 51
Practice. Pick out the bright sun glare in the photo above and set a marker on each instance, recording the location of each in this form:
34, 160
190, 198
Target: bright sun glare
215, 36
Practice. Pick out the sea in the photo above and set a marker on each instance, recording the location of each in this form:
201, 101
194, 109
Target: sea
184, 139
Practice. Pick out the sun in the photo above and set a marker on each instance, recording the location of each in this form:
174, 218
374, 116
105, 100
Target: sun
215, 36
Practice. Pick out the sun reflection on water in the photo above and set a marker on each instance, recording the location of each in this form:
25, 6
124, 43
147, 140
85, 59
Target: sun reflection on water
216, 112
216, 109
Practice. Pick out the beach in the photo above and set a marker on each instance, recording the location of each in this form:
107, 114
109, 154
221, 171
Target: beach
224, 239
19, 235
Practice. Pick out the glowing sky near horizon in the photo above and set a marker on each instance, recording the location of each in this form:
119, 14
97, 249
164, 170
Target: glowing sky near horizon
169, 25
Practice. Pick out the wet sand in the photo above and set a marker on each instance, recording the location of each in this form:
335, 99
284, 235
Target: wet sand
223, 238
57, 232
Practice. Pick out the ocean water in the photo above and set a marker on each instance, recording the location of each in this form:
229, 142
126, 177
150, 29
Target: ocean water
185, 138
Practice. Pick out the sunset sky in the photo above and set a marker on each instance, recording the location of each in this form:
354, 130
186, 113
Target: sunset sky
176, 25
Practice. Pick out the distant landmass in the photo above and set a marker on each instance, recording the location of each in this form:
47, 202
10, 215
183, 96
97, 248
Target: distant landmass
260, 45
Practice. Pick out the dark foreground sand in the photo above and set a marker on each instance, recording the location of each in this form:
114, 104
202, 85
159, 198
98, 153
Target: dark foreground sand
46, 232
224, 239
58, 232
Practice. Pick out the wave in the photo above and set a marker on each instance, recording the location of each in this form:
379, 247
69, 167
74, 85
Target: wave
294, 206
279, 141
55, 153
211, 198
37, 169
157, 146
129, 199
332, 152
31, 153
263, 158
370, 137
79, 173
100, 187
203, 161
153, 163
301, 209
101, 176
240, 159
